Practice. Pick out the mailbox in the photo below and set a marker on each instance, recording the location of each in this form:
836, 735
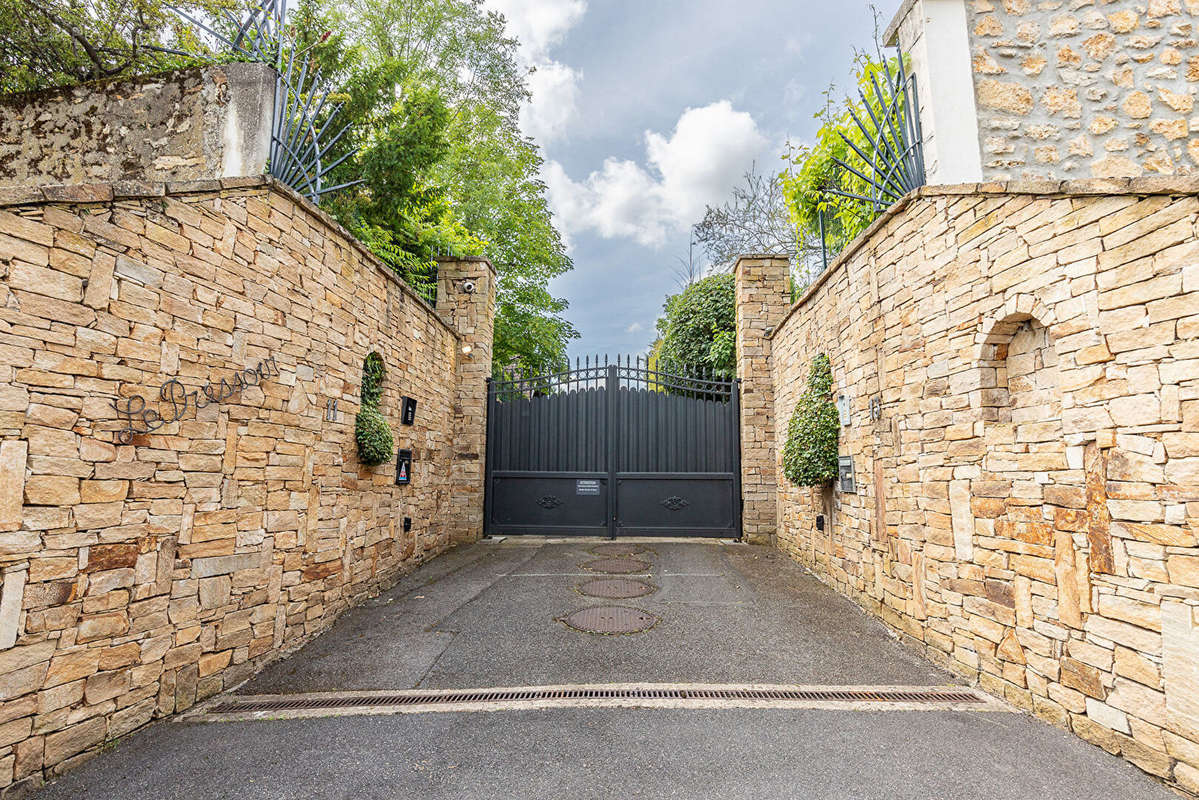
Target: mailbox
845, 474
408, 410
403, 467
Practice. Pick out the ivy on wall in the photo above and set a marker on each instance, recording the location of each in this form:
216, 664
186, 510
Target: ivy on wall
371, 430
810, 452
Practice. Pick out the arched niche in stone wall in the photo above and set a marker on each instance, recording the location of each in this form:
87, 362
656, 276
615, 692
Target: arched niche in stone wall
1026, 497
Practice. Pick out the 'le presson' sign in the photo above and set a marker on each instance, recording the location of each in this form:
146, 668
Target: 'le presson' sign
176, 400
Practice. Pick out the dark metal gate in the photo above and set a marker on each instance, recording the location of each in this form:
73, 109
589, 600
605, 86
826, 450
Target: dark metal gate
616, 449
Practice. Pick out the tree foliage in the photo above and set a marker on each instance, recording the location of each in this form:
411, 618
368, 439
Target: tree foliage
813, 169
755, 219
46, 43
810, 452
698, 326
486, 179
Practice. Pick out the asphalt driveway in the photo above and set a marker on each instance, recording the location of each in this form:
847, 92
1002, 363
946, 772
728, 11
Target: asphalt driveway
490, 615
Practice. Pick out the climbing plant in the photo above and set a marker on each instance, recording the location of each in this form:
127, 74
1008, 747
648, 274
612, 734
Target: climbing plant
371, 430
810, 452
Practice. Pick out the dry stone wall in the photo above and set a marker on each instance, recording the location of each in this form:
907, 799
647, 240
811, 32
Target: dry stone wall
1085, 88
1022, 363
147, 563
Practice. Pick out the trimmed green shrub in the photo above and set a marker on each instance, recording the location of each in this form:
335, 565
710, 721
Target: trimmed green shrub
374, 437
374, 372
810, 453
371, 430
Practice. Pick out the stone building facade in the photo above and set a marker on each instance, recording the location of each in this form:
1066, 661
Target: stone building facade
181, 499
1061, 90
1022, 367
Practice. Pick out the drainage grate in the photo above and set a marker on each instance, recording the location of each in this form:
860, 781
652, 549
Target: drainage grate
619, 549
616, 566
913, 695
615, 588
609, 620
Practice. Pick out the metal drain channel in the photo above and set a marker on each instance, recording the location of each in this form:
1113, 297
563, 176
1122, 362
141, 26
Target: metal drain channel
857, 698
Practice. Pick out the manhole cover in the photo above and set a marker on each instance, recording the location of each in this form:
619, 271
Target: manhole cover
611, 620
615, 588
618, 549
616, 566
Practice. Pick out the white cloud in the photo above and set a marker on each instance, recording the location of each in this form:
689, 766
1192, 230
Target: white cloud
539, 25
634, 328
697, 165
555, 89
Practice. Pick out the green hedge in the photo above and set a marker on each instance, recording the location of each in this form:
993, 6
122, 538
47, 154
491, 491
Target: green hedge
810, 453
371, 431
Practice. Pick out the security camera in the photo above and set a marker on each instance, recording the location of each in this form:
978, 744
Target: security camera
468, 287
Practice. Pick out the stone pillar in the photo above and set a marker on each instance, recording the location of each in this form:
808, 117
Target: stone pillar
466, 298
763, 298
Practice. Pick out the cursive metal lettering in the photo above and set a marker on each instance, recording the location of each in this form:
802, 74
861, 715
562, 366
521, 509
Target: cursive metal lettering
176, 400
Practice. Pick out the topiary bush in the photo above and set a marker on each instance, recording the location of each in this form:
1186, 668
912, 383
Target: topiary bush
374, 437
810, 453
371, 431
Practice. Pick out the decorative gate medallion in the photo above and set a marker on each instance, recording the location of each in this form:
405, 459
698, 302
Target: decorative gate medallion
675, 503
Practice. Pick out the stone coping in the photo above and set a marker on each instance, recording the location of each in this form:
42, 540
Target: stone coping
100, 85
81, 193
1089, 187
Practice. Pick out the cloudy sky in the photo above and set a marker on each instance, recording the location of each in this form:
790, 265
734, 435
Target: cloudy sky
646, 110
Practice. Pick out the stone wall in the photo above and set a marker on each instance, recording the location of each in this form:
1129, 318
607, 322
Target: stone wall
201, 123
147, 565
1022, 363
1063, 91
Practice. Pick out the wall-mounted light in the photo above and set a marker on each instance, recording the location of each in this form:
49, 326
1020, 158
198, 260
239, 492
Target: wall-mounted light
466, 349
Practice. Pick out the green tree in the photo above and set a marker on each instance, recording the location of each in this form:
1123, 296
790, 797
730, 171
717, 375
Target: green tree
47, 43
698, 326
813, 167
488, 176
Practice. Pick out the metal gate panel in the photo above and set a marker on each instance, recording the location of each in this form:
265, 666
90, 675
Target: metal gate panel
655, 504
666, 440
551, 503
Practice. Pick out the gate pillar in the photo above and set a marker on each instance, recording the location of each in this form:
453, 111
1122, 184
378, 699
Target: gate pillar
466, 299
763, 298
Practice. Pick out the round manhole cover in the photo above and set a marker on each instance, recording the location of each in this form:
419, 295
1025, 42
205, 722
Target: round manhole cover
610, 620
615, 588
618, 549
616, 566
